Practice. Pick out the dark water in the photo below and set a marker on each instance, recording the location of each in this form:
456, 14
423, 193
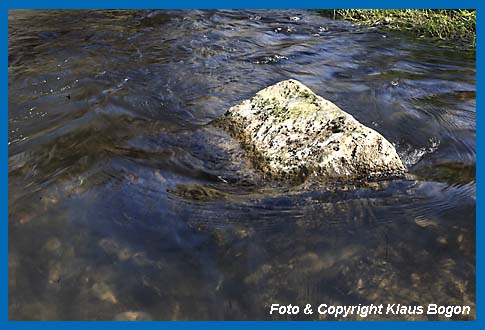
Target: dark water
125, 203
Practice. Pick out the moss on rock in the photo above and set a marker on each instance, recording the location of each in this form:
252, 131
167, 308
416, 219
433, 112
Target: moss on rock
292, 133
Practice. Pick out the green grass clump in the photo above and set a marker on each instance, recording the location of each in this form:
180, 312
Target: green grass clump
446, 24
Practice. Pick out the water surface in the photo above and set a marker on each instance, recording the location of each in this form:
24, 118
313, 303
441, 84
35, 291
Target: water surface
124, 202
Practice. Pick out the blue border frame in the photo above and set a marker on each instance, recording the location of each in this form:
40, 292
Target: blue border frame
5, 5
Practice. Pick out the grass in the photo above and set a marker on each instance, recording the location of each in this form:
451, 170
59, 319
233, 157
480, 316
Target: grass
450, 24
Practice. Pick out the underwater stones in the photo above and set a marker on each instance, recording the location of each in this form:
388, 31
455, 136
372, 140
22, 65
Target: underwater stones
197, 192
104, 292
425, 222
133, 316
291, 133
52, 244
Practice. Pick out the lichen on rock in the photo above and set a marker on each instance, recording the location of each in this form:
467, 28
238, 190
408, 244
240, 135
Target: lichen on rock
292, 133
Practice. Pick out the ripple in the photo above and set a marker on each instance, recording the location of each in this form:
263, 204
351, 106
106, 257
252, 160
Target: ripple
125, 202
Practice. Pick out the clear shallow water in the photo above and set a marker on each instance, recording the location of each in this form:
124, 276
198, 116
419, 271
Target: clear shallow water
125, 202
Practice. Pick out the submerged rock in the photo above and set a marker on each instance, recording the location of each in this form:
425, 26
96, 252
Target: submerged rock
133, 316
291, 133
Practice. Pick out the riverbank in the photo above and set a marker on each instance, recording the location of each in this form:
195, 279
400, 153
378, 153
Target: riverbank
455, 25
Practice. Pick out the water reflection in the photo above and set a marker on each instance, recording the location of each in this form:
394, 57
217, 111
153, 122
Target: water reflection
125, 203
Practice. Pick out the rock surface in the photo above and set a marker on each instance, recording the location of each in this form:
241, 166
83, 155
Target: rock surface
291, 133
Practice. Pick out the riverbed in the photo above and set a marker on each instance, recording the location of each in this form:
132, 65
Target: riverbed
126, 203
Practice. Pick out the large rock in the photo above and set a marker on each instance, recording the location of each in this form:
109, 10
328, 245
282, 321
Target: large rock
291, 133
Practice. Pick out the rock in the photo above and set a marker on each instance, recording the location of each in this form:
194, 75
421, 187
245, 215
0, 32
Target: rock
55, 273
104, 292
133, 316
52, 244
425, 222
291, 133
197, 192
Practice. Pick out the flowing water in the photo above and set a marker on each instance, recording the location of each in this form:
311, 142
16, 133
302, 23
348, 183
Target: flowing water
125, 203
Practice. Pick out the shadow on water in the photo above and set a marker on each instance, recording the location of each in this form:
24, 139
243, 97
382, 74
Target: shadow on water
125, 203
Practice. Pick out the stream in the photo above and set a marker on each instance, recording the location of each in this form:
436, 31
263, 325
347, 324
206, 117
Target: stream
126, 203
